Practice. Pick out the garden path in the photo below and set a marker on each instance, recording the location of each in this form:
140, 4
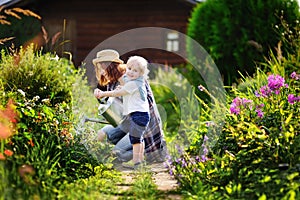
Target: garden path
165, 183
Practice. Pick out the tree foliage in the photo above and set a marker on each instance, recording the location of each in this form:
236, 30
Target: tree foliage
238, 34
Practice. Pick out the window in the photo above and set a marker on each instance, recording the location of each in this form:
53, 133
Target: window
173, 41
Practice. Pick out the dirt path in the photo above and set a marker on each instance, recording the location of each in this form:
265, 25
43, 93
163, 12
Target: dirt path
160, 176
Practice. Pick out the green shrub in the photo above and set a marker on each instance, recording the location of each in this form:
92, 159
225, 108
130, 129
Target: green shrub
103, 185
44, 76
45, 153
238, 34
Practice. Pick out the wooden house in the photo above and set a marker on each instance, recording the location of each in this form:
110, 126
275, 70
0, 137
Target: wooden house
154, 29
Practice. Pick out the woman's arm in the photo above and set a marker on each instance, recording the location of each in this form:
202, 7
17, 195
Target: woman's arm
121, 80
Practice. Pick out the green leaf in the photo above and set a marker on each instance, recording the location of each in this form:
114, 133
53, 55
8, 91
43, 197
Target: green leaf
266, 179
257, 161
292, 176
289, 118
228, 189
262, 197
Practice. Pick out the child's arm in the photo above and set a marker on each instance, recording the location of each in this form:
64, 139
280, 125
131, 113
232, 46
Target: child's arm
114, 93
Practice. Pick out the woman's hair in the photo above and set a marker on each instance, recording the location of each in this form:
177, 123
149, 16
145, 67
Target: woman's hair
113, 71
141, 63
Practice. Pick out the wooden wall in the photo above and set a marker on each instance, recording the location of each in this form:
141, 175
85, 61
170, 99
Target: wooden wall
90, 22
92, 25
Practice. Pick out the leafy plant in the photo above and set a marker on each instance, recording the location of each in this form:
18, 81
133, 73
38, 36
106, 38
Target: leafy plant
257, 154
103, 185
45, 153
239, 34
43, 76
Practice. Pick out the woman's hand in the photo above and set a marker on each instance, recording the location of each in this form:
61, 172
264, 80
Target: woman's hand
98, 93
119, 87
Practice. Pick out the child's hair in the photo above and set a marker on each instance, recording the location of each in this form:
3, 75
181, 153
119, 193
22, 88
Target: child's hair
141, 63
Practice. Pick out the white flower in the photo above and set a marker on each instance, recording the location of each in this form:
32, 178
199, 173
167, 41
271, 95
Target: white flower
56, 58
36, 98
21, 92
46, 100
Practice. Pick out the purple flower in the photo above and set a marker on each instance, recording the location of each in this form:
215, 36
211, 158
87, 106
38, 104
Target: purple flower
260, 113
265, 91
205, 138
260, 105
180, 150
203, 158
165, 165
183, 163
292, 99
234, 110
205, 150
295, 76
275, 82
257, 94
277, 92
239, 103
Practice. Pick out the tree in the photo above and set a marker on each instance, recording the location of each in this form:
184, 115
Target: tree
239, 33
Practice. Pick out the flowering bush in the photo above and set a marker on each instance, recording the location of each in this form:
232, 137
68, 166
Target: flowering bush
42, 153
257, 154
275, 111
8, 120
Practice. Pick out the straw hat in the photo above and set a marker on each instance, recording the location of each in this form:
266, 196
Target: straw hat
107, 55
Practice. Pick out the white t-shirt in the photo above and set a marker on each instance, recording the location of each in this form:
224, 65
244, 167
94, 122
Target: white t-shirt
133, 102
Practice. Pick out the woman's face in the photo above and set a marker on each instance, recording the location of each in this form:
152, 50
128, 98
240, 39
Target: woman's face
102, 69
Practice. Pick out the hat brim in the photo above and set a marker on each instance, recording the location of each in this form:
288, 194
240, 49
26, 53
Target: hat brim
97, 60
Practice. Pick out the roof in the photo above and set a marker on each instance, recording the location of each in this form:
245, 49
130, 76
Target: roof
194, 1
7, 3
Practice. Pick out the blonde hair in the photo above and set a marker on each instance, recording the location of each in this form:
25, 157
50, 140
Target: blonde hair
141, 64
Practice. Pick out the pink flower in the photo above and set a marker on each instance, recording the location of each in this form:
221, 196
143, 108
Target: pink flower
295, 76
260, 113
275, 82
239, 103
292, 99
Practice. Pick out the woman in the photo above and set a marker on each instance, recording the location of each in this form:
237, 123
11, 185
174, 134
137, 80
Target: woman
109, 69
